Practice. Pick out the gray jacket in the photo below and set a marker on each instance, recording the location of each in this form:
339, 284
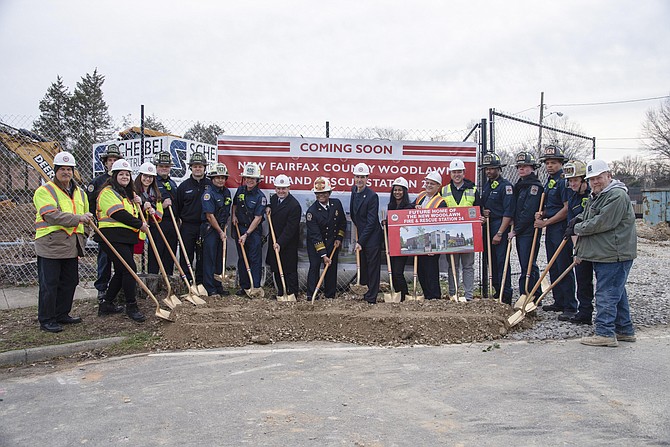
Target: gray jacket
606, 228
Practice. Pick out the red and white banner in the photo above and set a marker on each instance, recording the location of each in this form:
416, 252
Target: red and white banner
434, 231
305, 159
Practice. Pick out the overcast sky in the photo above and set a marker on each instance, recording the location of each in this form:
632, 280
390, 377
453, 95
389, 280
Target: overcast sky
409, 65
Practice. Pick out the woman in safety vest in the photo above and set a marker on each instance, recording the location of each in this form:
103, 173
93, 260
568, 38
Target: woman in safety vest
62, 212
147, 189
119, 222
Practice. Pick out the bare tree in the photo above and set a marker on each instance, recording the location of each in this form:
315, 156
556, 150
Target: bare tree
574, 148
383, 133
656, 128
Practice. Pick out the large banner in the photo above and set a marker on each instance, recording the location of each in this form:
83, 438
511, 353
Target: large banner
434, 231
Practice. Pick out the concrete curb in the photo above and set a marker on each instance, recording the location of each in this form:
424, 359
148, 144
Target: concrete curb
21, 356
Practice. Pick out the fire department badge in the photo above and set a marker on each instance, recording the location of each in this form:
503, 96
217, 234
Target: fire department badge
309, 217
533, 190
206, 196
509, 190
91, 188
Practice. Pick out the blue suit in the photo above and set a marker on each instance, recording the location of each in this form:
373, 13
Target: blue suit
364, 210
217, 202
248, 205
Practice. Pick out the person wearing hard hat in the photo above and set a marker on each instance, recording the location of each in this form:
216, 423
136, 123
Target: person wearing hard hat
527, 195
429, 265
498, 205
119, 221
461, 192
62, 214
553, 220
608, 239
216, 204
285, 212
108, 158
326, 224
399, 200
189, 205
575, 174
147, 189
364, 212
168, 189
249, 205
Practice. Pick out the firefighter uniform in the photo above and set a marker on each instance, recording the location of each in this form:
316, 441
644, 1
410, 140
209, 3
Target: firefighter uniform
216, 201
189, 204
325, 225
168, 190
364, 211
429, 265
104, 264
248, 205
285, 215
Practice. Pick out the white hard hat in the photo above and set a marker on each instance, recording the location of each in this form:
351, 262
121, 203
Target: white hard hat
252, 170
457, 165
121, 165
64, 159
322, 184
596, 167
218, 169
282, 181
361, 169
400, 181
148, 168
434, 176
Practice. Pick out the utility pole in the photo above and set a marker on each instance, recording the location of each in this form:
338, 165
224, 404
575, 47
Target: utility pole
539, 138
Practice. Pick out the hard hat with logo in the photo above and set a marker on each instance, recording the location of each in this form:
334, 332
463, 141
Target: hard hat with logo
322, 184
121, 165
163, 158
111, 151
434, 176
400, 181
197, 158
252, 170
147, 168
552, 152
218, 169
526, 159
596, 167
64, 159
491, 160
282, 181
361, 169
574, 168
457, 165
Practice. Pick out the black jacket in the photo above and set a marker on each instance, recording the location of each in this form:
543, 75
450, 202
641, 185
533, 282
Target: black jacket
286, 223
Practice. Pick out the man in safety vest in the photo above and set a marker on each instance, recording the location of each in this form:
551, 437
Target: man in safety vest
62, 213
461, 192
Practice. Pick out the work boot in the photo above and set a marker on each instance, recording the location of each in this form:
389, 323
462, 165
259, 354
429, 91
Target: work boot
241, 292
101, 295
566, 316
552, 308
599, 340
107, 308
580, 319
134, 313
626, 338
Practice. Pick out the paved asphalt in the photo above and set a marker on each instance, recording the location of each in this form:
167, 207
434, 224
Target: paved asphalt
553, 393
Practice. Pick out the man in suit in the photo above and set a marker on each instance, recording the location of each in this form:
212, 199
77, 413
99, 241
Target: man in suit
364, 211
285, 212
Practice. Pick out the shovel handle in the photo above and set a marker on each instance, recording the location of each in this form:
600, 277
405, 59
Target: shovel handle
244, 255
158, 258
546, 271
223, 258
323, 275
532, 249
174, 257
182, 247
388, 257
504, 275
274, 241
489, 270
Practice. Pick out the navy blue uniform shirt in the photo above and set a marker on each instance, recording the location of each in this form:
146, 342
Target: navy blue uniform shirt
249, 204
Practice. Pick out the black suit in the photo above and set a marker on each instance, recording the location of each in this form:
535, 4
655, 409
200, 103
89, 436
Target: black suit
286, 223
364, 210
323, 229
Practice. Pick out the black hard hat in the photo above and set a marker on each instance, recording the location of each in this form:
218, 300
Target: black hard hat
526, 159
112, 150
491, 160
197, 158
552, 152
163, 158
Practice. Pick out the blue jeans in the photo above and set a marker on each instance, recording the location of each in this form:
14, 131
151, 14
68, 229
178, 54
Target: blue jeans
104, 269
612, 311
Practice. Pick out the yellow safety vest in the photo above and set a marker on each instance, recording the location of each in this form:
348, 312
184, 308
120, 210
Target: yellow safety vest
159, 217
468, 198
49, 198
434, 202
109, 202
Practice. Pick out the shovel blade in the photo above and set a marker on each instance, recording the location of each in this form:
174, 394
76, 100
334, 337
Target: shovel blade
168, 303
516, 318
201, 290
176, 301
393, 297
290, 298
255, 292
164, 314
520, 302
531, 306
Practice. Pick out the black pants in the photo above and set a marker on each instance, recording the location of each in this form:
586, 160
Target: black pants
122, 278
315, 263
371, 260
163, 252
584, 275
429, 276
190, 234
398, 274
58, 280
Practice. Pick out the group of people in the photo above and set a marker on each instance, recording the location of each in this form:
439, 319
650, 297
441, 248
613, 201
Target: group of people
578, 201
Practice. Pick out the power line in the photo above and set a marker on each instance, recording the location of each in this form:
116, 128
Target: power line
625, 138
610, 102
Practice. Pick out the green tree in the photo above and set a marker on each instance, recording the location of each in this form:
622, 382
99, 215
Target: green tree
52, 122
89, 120
154, 123
204, 133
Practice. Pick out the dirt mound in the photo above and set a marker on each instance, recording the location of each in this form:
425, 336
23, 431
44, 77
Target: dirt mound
240, 321
658, 232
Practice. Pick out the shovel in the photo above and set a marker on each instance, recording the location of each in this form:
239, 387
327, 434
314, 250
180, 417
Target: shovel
414, 296
532, 305
283, 297
190, 296
222, 277
523, 300
323, 275
455, 297
253, 292
504, 275
532, 252
489, 270
393, 297
160, 313
195, 290
170, 300
358, 288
